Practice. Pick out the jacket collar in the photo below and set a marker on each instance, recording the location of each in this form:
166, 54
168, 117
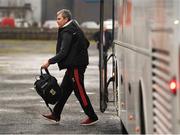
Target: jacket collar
67, 23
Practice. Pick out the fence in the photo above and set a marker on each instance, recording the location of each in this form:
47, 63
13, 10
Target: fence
36, 33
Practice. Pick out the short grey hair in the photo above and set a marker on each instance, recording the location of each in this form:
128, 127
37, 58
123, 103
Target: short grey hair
65, 13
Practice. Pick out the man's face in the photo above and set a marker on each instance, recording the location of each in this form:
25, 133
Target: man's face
61, 21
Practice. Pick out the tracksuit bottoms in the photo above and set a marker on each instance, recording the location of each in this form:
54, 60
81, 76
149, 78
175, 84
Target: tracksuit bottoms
74, 80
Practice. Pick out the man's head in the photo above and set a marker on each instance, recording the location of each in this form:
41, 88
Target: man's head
63, 16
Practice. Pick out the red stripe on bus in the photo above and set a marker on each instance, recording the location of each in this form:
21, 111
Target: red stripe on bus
80, 88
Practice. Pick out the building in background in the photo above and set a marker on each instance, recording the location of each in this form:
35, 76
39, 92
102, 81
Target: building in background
82, 10
50, 8
89, 10
22, 11
38, 11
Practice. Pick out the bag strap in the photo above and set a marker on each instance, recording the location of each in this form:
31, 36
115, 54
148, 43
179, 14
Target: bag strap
47, 71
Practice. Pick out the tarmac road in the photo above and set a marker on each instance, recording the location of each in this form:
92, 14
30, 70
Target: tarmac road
21, 107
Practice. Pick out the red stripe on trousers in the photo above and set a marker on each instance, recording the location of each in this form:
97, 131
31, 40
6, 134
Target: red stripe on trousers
80, 88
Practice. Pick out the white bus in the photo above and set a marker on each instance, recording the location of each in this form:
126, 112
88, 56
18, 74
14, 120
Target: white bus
146, 47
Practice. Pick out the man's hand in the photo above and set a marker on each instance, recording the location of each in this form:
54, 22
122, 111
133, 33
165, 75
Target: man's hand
45, 64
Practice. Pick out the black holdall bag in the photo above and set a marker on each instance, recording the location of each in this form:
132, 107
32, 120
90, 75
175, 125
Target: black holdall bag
47, 87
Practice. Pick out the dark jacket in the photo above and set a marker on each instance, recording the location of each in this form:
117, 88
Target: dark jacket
71, 48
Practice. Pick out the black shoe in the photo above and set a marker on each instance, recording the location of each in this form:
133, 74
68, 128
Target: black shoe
51, 117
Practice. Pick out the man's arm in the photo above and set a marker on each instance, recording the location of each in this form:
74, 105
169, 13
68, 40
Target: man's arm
65, 45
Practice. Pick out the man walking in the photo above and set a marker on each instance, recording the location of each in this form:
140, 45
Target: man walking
72, 55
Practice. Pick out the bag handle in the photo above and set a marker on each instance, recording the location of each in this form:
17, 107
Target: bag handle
47, 71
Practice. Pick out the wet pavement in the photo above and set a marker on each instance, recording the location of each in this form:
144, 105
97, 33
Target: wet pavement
21, 107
